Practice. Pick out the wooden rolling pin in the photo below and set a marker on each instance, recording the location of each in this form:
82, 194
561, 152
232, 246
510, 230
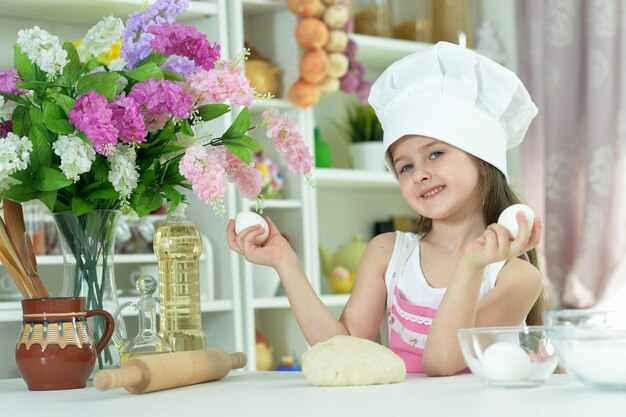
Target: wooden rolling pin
170, 370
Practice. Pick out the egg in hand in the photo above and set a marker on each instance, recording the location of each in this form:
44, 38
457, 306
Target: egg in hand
508, 218
246, 219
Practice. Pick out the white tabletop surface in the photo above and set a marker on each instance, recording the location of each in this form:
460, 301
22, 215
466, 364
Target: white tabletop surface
278, 394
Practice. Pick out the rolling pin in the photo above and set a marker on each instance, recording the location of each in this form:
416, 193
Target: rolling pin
170, 370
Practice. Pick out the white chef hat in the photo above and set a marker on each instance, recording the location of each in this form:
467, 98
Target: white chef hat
454, 95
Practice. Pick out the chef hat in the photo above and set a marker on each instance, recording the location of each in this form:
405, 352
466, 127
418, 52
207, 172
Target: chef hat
454, 95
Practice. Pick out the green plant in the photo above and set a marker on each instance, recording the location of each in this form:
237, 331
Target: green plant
362, 125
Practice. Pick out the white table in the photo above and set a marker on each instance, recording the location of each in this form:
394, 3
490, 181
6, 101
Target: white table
288, 394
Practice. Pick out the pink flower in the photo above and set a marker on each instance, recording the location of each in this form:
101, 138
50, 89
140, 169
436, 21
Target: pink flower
127, 120
92, 116
249, 180
158, 100
9, 80
225, 82
204, 170
5, 128
178, 39
288, 141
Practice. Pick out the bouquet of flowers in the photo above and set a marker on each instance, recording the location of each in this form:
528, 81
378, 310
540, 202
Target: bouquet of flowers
85, 131
81, 131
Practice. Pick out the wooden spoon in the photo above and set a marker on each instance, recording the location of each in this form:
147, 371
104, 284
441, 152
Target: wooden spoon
27, 253
13, 266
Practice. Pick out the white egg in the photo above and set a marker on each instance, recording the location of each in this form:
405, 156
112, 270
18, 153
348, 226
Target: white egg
507, 217
246, 219
506, 362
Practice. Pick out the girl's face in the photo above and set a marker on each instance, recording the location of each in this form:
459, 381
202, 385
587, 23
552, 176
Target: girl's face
439, 181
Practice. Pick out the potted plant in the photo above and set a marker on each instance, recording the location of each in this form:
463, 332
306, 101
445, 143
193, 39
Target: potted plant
365, 133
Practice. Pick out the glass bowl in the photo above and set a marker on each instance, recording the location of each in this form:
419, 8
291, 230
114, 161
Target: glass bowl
508, 356
591, 345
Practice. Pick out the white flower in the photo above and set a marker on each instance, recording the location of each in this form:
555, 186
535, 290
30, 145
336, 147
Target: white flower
123, 172
76, 155
43, 49
100, 38
6, 108
14, 154
117, 65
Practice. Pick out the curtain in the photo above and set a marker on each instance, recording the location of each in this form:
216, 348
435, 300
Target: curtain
572, 58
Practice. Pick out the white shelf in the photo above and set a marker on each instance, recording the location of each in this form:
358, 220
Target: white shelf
273, 204
255, 7
260, 105
140, 258
330, 300
335, 300
379, 52
89, 12
353, 178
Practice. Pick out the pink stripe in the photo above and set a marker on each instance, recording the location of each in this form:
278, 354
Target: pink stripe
411, 325
412, 308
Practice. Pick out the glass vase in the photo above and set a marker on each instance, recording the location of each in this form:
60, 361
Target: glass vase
87, 244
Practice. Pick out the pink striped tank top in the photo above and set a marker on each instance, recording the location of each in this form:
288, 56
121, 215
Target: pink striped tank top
412, 303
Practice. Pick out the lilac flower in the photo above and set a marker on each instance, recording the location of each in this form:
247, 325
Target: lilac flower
225, 82
92, 116
204, 170
136, 44
178, 39
158, 100
288, 141
181, 65
127, 120
8, 82
6, 128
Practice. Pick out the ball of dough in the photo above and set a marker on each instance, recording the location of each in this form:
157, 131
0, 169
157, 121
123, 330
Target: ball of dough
349, 360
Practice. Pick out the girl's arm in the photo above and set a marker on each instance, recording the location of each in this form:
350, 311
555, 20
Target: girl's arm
507, 304
360, 317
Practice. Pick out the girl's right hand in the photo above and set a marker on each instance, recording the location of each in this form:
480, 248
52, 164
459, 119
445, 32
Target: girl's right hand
274, 251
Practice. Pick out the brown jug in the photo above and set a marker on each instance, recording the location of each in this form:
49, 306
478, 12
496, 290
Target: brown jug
56, 349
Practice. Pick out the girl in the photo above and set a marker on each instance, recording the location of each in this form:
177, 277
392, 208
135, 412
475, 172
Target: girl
448, 117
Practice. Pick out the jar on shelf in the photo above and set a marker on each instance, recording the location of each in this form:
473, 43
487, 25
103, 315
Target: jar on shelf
454, 22
413, 20
372, 17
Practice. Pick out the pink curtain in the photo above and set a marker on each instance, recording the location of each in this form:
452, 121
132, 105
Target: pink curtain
572, 58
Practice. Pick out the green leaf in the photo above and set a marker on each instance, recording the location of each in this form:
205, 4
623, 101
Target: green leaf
149, 201
36, 119
61, 127
92, 187
100, 169
171, 194
71, 71
34, 85
146, 72
21, 121
25, 176
244, 140
49, 198
103, 83
240, 126
105, 193
65, 102
172, 76
60, 206
27, 70
21, 193
240, 152
50, 179
155, 57
80, 206
15, 98
186, 128
212, 111
51, 111
42, 150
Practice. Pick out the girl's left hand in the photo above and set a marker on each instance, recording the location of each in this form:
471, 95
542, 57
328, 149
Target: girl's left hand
497, 243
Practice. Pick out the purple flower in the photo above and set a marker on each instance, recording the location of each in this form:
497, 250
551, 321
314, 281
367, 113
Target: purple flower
92, 116
5, 128
9, 80
136, 45
127, 120
158, 100
178, 39
181, 66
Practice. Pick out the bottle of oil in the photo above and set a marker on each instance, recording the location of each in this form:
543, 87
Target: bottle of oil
177, 245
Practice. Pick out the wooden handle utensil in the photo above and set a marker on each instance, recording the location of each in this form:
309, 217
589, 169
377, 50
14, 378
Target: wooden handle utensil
170, 370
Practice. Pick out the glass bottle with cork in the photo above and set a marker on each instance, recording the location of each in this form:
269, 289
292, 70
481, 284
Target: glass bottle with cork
178, 246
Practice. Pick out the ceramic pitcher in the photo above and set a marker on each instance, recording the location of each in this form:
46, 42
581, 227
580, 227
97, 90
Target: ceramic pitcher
56, 350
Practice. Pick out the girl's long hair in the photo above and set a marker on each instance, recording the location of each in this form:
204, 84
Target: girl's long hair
498, 195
